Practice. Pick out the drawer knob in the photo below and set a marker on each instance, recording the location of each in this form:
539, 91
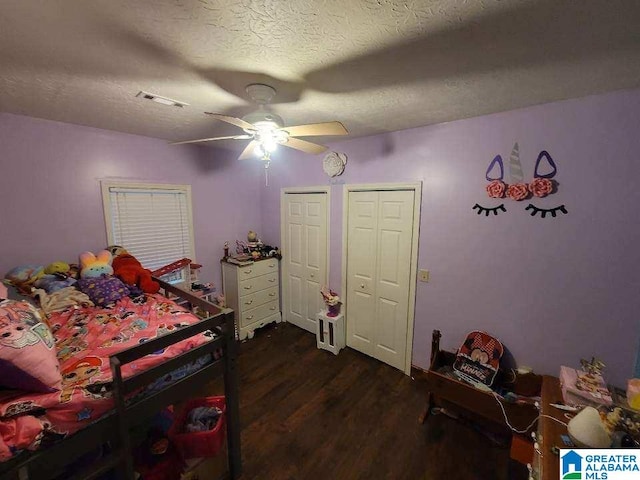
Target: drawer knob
272, 308
249, 317
312, 275
362, 285
271, 265
271, 280
272, 294
249, 302
247, 272
248, 287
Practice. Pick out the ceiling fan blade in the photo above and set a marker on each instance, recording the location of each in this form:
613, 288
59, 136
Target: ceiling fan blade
304, 146
315, 129
232, 137
238, 122
248, 151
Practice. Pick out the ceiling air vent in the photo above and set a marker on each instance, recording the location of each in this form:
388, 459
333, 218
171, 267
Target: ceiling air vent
160, 99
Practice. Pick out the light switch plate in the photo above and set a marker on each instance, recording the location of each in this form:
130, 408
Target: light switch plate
423, 275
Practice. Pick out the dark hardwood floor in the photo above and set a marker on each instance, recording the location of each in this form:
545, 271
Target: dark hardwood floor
307, 414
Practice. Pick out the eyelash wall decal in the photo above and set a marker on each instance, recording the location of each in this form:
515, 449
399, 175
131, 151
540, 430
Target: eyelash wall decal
543, 211
487, 211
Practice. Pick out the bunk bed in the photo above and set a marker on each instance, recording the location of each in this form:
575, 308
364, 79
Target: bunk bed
132, 404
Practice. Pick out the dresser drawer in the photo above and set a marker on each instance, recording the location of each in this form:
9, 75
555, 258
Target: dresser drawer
254, 300
256, 314
253, 285
258, 268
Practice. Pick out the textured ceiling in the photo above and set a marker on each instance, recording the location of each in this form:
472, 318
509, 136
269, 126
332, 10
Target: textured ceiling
375, 65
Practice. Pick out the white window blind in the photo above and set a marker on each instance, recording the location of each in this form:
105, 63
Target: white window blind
153, 224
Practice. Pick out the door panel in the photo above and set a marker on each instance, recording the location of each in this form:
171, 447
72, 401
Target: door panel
361, 326
293, 306
379, 241
313, 243
295, 244
313, 303
305, 256
361, 254
295, 297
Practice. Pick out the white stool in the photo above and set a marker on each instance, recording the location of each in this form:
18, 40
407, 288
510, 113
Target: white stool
330, 332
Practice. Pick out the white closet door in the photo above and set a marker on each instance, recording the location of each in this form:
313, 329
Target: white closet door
361, 270
315, 265
294, 255
305, 256
380, 236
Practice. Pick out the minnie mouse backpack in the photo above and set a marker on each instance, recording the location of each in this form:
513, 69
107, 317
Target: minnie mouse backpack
478, 358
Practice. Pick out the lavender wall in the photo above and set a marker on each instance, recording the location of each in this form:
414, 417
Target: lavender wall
553, 290
50, 200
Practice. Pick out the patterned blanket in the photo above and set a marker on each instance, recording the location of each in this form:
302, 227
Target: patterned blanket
85, 338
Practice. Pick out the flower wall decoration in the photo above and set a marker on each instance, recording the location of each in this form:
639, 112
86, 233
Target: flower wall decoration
541, 187
334, 163
518, 191
496, 189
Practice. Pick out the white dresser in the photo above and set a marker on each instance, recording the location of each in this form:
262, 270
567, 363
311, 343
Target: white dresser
253, 291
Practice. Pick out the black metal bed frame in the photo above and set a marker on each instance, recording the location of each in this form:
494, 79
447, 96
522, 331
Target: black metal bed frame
114, 428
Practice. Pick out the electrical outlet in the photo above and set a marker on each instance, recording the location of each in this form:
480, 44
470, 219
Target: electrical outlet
423, 275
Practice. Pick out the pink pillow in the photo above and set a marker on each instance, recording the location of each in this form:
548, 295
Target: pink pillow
27, 349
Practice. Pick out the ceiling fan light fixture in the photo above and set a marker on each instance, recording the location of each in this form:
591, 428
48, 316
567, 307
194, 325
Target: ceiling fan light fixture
266, 130
269, 145
265, 118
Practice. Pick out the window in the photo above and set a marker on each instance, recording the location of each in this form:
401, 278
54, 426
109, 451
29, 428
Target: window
153, 222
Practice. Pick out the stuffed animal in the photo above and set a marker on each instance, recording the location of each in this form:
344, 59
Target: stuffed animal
56, 277
24, 277
57, 268
96, 279
116, 250
128, 269
92, 266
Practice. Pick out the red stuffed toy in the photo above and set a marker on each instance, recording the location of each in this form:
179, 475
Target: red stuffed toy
131, 271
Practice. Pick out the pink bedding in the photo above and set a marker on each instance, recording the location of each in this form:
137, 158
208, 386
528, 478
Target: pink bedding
85, 338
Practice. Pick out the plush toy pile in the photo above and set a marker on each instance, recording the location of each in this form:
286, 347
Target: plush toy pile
100, 280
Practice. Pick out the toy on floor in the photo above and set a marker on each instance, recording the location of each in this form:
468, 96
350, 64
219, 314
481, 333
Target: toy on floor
128, 269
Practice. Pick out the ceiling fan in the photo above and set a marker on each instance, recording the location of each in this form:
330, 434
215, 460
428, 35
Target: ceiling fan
266, 130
